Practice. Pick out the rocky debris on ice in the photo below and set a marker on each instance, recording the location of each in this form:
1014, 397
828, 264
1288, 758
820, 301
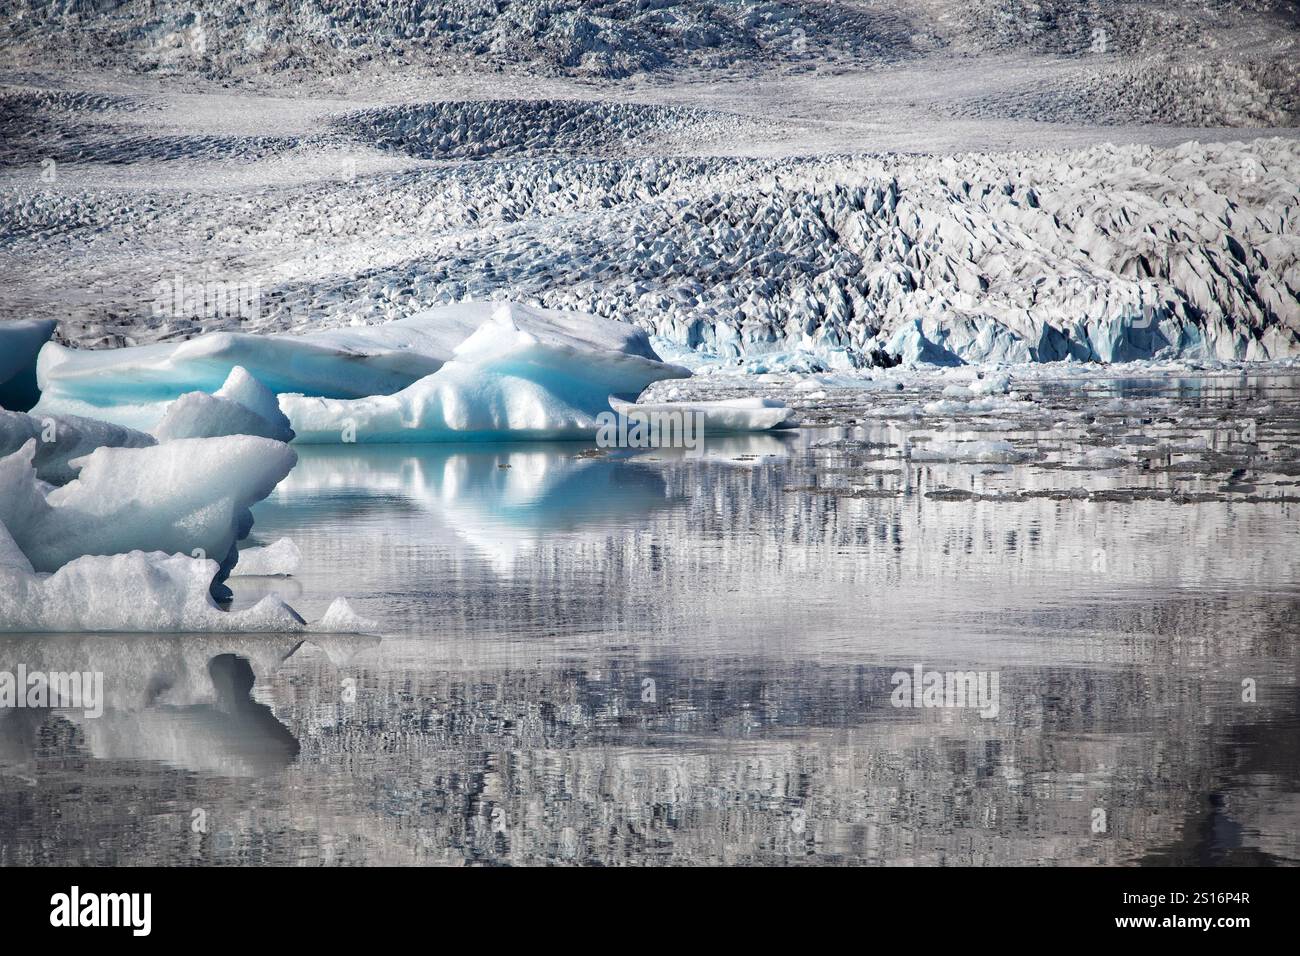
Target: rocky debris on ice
499, 129
606, 38
189, 496
242, 406
20, 342
1222, 90
62, 439
523, 374
279, 559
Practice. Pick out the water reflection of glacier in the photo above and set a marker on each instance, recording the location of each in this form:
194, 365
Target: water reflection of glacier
655, 659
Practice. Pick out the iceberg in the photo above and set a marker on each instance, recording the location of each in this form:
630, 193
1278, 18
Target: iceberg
242, 406
20, 343
522, 374
132, 386
60, 439
190, 496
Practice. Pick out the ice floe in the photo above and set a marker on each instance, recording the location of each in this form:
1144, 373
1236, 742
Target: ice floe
134, 385
973, 452
724, 415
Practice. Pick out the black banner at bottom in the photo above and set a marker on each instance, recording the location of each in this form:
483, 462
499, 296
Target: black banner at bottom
340, 905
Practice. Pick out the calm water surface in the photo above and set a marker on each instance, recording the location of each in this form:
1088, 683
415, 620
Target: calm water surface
648, 658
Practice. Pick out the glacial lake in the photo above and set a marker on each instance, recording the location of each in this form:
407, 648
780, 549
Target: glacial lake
643, 657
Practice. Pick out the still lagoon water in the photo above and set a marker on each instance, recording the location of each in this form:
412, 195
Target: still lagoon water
637, 658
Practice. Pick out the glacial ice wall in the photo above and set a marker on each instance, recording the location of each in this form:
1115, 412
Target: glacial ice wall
1102, 254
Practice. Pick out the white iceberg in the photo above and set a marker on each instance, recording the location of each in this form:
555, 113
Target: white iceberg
132, 386
190, 496
61, 439
242, 406
523, 374
275, 560
20, 342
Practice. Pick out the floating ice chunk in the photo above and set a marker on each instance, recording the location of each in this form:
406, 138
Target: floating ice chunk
62, 438
132, 385
279, 559
185, 496
242, 406
976, 452
20, 342
127, 592
505, 381
995, 384
1101, 458
728, 415
341, 619
976, 406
